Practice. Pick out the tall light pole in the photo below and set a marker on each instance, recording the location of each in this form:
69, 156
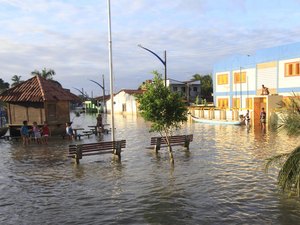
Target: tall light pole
111, 73
164, 62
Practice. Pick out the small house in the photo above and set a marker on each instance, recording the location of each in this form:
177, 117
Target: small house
124, 101
38, 100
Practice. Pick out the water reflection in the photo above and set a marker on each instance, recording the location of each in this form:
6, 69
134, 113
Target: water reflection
219, 181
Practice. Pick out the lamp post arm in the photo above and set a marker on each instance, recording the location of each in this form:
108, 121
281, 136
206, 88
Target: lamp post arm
98, 84
81, 92
162, 61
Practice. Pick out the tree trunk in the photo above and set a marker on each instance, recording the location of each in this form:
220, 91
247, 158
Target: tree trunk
171, 154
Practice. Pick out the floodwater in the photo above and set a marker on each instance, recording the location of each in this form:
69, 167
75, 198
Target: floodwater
221, 180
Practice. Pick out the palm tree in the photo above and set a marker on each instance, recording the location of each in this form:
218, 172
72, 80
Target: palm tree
206, 85
45, 73
289, 173
16, 80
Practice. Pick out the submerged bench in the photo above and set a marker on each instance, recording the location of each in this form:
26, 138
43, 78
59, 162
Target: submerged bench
104, 147
183, 140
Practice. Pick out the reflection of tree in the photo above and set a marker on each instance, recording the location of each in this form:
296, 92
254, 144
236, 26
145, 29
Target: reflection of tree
165, 203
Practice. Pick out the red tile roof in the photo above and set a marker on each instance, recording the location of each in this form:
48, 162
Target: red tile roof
37, 89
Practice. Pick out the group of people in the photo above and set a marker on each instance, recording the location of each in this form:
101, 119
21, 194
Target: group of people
262, 118
40, 135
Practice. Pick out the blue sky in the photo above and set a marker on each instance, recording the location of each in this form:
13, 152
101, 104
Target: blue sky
71, 37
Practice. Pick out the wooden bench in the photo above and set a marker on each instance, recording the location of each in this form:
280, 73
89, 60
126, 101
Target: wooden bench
183, 140
104, 147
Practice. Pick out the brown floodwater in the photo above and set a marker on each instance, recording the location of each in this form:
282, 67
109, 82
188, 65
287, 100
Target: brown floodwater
221, 180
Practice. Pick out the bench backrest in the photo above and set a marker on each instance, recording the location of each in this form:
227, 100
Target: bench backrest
173, 139
99, 146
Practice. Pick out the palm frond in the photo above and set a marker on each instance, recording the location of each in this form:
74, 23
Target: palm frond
277, 160
289, 174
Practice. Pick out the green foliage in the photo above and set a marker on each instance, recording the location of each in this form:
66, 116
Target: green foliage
45, 73
165, 109
16, 80
289, 174
290, 115
197, 100
206, 84
3, 85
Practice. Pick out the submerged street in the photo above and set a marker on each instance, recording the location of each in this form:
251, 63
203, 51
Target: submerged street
221, 180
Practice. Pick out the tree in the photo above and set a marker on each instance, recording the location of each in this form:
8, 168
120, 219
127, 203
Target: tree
289, 163
166, 110
45, 73
206, 85
16, 80
3, 85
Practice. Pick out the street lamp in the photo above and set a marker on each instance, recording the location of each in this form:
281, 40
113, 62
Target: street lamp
103, 89
164, 62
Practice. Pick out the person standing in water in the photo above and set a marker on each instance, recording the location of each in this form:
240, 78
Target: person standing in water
263, 118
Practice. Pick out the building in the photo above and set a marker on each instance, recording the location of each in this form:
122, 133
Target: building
238, 80
124, 101
38, 100
188, 89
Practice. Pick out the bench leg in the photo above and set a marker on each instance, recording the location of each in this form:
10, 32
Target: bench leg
76, 159
117, 150
157, 146
78, 154
187, 143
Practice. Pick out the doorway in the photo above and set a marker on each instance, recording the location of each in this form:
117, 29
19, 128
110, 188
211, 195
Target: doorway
259, 103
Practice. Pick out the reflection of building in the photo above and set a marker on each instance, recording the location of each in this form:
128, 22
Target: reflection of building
38, 100
124, 101
238, 80
188, 89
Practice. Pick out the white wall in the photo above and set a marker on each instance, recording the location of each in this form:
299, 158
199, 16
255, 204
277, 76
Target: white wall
120, 99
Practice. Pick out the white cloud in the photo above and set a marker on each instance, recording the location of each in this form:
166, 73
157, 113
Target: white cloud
71, 37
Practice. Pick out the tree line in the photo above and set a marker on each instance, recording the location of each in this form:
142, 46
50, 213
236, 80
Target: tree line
16, 79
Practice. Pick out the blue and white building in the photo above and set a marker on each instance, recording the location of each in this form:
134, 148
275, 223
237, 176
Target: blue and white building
238, 79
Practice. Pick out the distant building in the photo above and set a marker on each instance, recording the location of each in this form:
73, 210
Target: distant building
38, 100
188, 89
124, 101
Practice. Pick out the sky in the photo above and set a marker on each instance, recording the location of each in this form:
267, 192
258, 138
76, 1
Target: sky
71, 37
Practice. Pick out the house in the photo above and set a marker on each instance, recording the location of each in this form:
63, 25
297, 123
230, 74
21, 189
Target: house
38, 100
188, 89
124, 101
238, 79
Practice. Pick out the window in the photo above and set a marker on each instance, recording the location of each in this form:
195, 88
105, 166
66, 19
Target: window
240, 77
236, 103
195, 89
183, 89
174, 88
123, 107
223, 103
222, 79
292, 69
249, 103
